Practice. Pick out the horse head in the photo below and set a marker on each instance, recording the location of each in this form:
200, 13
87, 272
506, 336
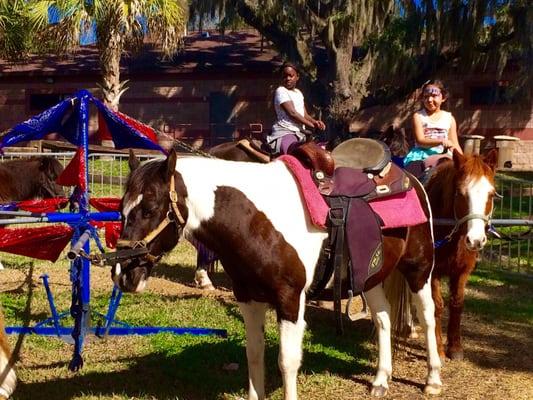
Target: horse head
475, 190
153, 215
49, 170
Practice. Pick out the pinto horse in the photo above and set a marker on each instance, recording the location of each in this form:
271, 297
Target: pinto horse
461, 189
268, 247
25, 179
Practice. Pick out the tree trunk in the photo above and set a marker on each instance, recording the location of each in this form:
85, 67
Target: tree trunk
110, 65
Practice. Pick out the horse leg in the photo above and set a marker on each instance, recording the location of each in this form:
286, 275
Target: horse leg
8, 378
203, 260
457, 297
409, 329
439, 307
426, 313
201, 279
380, 308
290, 352
254, 320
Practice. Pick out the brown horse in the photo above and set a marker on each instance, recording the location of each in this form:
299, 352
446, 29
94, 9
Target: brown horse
32, 178
224, 205
462, 190
24, 179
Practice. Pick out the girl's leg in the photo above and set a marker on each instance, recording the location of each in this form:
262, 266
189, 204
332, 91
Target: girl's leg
286, 142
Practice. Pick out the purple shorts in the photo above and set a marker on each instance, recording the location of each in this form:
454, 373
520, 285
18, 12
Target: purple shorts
286, 142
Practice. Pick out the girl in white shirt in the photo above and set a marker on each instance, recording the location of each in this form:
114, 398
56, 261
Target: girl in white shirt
435, 129
292, 116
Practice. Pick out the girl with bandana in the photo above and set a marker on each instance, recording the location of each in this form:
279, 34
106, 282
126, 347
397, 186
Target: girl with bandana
435, 130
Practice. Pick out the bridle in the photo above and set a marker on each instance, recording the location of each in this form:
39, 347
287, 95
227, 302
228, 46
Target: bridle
139, 248
459, 222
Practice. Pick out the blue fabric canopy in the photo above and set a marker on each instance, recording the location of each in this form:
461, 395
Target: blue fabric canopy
64, 118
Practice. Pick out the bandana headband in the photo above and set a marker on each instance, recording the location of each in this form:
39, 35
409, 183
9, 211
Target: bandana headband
432, 91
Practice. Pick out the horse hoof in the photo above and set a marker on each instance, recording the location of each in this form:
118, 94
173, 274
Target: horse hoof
414, 335
207, 287
455, 355
433, 389
378, 391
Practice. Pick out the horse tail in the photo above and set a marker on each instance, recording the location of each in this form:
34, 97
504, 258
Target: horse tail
8, 378
399, 296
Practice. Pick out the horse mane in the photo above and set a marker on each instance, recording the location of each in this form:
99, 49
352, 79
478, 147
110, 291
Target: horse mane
140, 176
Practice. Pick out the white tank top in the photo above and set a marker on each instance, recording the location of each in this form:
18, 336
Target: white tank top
436, 129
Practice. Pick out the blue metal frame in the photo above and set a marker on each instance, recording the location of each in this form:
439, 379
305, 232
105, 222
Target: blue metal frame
80, 272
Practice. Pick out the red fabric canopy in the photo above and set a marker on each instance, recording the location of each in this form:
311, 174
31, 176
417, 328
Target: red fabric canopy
105, 203
74, 173
42, 206
44, 243
112, 232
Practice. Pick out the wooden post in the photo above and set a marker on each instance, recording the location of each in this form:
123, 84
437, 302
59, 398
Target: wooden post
505, 146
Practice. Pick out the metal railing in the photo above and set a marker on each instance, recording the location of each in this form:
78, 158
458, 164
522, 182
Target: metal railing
512, 217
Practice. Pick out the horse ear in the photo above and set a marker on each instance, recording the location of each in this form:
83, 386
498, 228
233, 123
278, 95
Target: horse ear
491, 159
133, 161
171, 163
458, 159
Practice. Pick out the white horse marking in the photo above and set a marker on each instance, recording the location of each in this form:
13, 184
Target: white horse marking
478, 194
130, 205
253, 314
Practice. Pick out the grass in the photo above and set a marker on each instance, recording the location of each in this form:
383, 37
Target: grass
186, 367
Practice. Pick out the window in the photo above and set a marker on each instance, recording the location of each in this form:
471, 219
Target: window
43, 101
496, 93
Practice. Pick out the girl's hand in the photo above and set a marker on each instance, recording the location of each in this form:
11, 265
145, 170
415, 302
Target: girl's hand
319, 125
448, 144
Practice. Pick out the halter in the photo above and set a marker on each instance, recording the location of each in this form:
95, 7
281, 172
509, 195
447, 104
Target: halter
139, 248
458, 222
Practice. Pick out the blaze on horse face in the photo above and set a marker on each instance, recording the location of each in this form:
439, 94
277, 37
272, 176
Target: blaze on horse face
145, 204
475, 194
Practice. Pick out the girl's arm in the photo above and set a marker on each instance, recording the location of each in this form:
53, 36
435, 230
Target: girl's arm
453, 141
421, 140
316, 122
289, 109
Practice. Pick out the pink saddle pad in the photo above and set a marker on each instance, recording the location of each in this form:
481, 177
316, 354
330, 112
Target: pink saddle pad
315, 203
400, 210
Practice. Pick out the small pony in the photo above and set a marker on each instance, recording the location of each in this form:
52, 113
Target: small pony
228, 204
463, 190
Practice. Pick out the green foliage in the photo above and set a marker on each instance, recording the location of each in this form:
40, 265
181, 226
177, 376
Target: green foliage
14, 26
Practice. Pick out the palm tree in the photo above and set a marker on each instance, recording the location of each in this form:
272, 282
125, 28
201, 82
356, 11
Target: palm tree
14, 38
120, 25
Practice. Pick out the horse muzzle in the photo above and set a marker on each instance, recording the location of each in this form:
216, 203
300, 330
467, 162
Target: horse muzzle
132, 276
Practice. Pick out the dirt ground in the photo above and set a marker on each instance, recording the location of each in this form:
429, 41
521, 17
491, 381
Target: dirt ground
498, 354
